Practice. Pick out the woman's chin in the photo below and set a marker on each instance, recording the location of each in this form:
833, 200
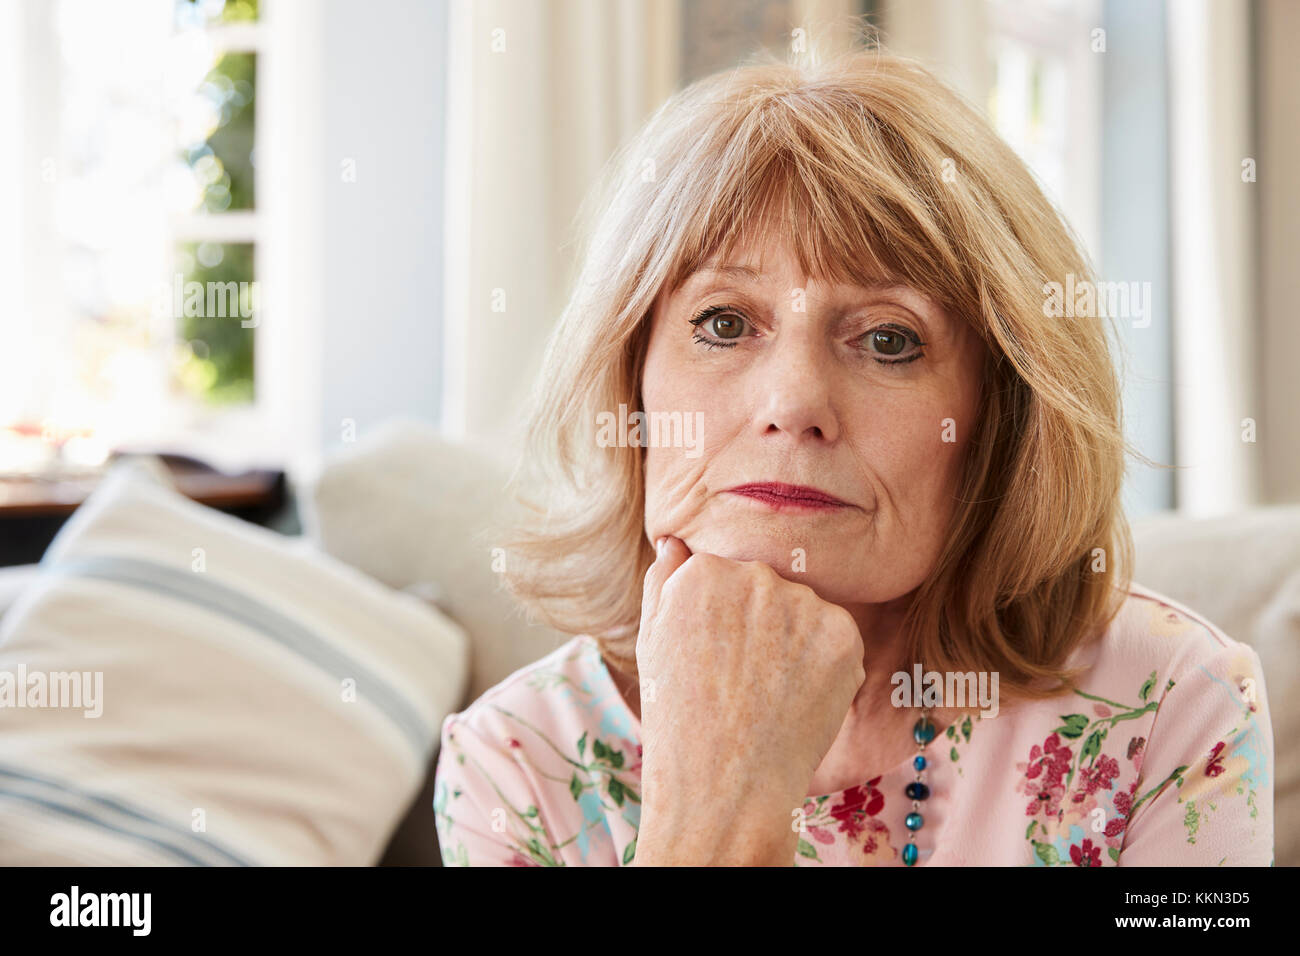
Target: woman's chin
829, 572
792, 562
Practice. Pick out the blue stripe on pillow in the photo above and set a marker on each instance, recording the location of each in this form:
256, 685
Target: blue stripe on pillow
61, 798
201, 590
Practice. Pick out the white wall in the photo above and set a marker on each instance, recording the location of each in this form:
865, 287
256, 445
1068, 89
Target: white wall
1135, 234
354, 253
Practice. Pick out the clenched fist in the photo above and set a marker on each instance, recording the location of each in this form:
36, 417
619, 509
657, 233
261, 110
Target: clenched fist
745, 681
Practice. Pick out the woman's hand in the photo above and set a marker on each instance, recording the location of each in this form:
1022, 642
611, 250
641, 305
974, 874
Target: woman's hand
745, 681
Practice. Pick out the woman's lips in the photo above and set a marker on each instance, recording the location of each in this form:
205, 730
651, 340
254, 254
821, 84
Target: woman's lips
785, 497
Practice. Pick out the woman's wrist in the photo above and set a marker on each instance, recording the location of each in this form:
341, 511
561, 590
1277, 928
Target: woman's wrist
702, 837
761, 849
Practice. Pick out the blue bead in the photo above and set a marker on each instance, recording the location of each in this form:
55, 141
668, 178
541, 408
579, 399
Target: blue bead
909, 854
923, 732
919, 762
914, 821
917, 791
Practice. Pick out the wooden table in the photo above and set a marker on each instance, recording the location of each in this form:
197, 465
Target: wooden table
33, 508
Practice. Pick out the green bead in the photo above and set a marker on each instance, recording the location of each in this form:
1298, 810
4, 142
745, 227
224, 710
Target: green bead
923, 732
909, 854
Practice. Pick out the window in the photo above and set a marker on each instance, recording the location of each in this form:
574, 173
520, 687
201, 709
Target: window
138, 217
1046, 96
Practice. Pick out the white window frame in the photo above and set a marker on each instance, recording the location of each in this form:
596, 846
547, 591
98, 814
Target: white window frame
234, 436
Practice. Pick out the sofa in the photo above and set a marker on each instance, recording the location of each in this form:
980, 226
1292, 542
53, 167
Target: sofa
413, 515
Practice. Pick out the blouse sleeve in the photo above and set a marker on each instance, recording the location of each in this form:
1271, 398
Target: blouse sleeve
485, 811
1205, 792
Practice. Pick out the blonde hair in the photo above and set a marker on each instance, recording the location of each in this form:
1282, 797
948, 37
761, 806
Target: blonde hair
875, 170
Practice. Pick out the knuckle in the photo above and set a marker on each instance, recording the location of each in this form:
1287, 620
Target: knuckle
841, 618
761, 575
707, 563
668, 593
693, 565
841, 623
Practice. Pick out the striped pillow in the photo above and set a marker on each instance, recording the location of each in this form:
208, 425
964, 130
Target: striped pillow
178, 687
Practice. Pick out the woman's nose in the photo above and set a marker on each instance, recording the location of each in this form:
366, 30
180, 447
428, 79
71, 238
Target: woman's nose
793, 385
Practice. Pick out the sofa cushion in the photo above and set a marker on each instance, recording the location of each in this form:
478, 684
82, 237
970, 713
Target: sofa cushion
416, 510
245, 699
13, 582
1243, 573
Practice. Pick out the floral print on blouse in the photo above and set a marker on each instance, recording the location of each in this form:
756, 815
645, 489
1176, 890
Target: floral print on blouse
1166, 759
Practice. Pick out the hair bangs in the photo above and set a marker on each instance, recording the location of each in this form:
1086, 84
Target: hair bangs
781, 176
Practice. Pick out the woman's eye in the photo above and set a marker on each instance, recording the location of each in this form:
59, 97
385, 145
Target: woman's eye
718, 327
890, 342
726, 326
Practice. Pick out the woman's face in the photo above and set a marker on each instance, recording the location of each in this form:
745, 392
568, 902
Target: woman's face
796, 382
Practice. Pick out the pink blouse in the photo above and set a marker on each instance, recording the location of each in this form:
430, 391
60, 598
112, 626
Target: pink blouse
1164, 760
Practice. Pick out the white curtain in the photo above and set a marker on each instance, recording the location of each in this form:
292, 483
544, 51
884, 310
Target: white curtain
1278, 138
1223, 381
1213, 258
540, 94
950, 36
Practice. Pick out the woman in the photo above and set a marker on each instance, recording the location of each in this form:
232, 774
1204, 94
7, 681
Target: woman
850, 581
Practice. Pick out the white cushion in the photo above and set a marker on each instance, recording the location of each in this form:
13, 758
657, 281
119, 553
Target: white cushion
1242, 572
415, 510
13, 582
227, 732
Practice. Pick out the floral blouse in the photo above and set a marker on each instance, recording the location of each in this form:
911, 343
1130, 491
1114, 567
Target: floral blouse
1165, 760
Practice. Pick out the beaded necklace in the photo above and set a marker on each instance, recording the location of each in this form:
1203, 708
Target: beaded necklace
916, 791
